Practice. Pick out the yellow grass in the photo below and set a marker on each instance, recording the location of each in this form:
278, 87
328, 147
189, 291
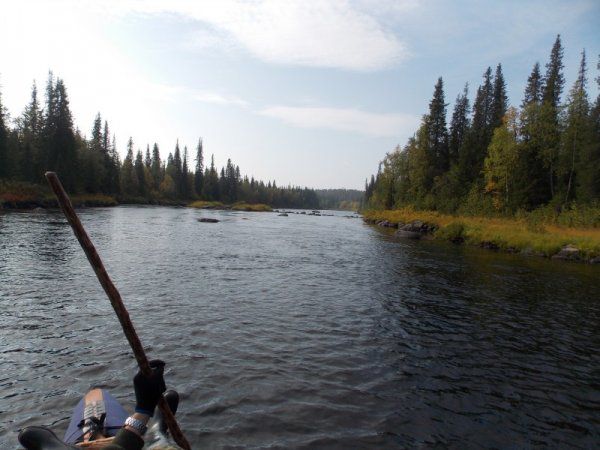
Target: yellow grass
240, 206
203, 204
506, 233
256, 207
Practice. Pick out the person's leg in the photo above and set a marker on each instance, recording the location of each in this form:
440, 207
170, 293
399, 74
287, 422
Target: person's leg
87, 419
115, 414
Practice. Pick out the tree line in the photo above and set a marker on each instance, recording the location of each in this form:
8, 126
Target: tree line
496, 158
45, 138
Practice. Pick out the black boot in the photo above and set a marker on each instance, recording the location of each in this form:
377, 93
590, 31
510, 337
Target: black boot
40, 438
172, 398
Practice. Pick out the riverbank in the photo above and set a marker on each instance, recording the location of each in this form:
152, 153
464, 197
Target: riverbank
25, 196
239, 206
502, 234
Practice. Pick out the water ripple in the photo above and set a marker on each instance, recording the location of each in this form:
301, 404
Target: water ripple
300, 333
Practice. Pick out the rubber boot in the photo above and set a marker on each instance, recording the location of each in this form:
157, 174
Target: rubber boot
40, 438
172, 398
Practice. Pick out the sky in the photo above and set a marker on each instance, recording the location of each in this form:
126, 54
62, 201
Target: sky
309, 93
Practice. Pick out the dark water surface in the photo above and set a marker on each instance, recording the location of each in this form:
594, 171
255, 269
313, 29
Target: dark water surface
301, 332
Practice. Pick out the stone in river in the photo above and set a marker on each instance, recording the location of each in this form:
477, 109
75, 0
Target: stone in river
408, 234
207, 220
568, 252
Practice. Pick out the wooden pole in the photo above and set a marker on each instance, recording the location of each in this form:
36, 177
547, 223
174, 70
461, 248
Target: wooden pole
115, 300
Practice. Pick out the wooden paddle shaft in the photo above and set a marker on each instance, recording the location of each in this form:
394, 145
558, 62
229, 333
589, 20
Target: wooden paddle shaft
115, 300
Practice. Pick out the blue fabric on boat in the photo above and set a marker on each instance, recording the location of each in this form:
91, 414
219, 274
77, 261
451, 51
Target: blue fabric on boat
115, 418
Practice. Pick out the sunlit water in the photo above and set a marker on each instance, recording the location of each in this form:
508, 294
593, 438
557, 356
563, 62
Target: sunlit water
297, 332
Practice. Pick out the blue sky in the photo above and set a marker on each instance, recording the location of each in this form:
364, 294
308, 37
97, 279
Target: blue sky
311, 93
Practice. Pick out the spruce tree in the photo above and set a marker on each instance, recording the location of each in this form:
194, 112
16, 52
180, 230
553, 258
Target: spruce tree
534, 88
156, 168
139, 174
30, 130
199, 173
185, 188
500, 99
459, 126
110, 180
588, 175
530, 180
94, 159
148, 158
549, 126
177, 174
436, 126
129, 185
60, 136
4, 160
475, 144
554, 80
578, 132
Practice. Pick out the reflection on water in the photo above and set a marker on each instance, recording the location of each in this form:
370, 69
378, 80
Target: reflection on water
300, 332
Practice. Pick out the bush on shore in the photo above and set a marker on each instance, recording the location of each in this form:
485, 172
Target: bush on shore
526, 233
256, 207
239, 206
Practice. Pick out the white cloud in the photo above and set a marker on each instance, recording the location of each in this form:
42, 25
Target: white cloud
325, 33
344, 119
218, 99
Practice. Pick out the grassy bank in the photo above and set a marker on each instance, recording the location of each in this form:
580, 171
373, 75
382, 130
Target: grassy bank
240, 206
526, 234
17, 195
28, 196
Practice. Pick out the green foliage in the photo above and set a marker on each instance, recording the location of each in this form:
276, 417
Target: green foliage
47, 140
454, 232
501, 163
572, 215
499, 160
255, 207
345, 199
204, 204
514, 234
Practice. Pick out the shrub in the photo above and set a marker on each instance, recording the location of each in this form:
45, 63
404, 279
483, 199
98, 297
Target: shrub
453, 232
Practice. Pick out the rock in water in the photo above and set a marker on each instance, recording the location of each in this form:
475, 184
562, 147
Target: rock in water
569, 253
207, 220
283, 215
408, 234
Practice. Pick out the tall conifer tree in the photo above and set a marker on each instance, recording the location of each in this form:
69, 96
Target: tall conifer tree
436, 127
140, 174
185, 187
500, 99
156, 167
4, 160
129, 185
459, 126
199, 173
549, 126
30, 129
578, 133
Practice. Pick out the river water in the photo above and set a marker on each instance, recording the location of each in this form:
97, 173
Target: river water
300, 332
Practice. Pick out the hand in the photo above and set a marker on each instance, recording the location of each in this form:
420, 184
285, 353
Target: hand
149, 390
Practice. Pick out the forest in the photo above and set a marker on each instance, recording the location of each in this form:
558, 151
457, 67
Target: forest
45, 138
497, 159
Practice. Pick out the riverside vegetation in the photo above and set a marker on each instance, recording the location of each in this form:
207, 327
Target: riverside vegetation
91, 170
520, 179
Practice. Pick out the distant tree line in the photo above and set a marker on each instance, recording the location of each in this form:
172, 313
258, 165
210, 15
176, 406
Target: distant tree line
346, 199
44, 138
496, 158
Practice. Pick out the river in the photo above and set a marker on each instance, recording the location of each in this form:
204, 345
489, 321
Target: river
300, 332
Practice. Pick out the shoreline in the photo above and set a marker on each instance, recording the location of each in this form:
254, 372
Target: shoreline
498, 234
